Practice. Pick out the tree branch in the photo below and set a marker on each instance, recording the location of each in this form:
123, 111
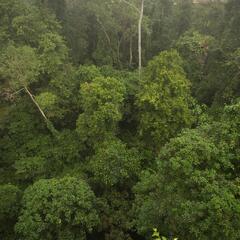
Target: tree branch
107, 37
35, 102
105, 32
131, 5
18, 91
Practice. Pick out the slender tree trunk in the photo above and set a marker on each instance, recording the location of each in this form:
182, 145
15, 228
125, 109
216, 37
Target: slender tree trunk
50, 126
108, 39
140, 38
118, 52
130, 52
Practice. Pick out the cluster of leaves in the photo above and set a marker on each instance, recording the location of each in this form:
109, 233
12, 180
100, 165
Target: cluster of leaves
157, 236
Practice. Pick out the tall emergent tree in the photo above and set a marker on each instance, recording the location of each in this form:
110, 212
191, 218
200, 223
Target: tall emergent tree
163, 99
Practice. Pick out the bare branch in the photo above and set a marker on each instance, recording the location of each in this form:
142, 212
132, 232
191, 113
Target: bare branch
18, 91
105, 32
35, 102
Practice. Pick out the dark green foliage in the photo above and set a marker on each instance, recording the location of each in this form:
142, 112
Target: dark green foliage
232, 30
114, 164
100, 152
57, 208
28, 168
10, 196
228, 90
194, 48
116, 214
190, 193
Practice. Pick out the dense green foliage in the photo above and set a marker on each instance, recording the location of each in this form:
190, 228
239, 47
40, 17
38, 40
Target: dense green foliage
92, 149
163, 99
57, 208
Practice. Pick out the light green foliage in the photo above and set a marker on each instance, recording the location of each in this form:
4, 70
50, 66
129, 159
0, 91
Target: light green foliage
49, 103
101, 101
53, 52
20, 65
114, 164
87, 73
163, 99
57, 208
46, 100
157, 236
189, 195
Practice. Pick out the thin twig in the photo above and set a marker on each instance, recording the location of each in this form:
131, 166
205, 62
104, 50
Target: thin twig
17, 91
131, 5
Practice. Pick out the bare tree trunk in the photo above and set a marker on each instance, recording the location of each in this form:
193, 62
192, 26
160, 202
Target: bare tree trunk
118, 52
35, 102
140, 11
140, 38
130, 52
